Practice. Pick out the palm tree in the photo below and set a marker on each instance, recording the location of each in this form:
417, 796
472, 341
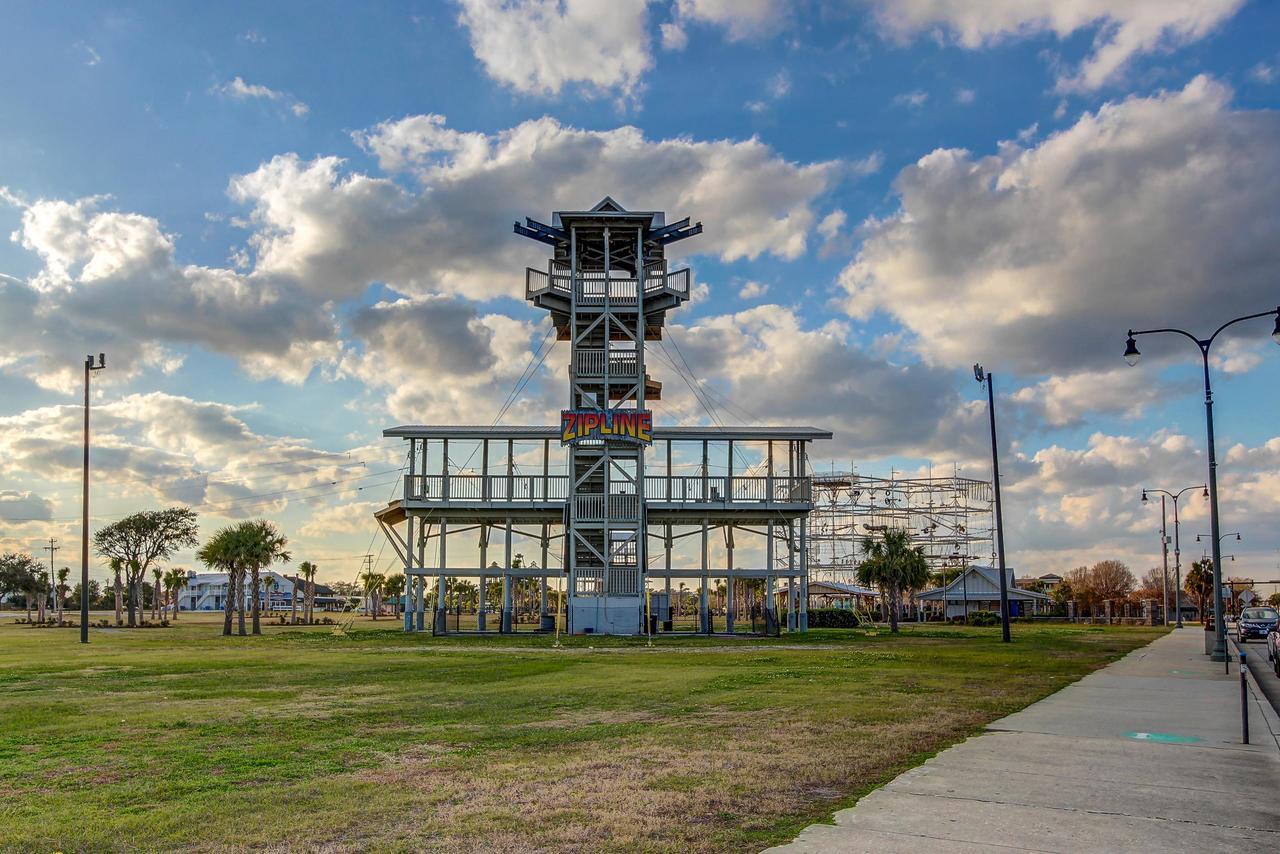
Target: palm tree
894, 566
263, 545
223, 552
63, 573
372, 587
117, 567
307, 570
393, 589
174, 580
158, 575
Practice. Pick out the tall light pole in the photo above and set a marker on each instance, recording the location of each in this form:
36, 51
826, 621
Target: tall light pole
983, 377
89, 368
1131, 356
1177, 543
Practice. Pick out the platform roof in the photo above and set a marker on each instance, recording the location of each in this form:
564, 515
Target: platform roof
714, 434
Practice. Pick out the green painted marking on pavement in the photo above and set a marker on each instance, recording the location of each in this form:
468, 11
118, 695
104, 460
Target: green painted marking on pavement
1163, 737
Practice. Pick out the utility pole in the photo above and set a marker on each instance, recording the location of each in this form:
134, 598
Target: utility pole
51, 548
89, 368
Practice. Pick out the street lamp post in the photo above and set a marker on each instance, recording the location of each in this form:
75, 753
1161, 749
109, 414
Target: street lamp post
1177, 542
1131, 356
89, 368
984, 377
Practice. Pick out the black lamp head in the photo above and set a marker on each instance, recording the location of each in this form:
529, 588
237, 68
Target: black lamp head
1131, 354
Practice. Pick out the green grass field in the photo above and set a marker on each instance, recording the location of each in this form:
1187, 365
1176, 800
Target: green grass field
302, 739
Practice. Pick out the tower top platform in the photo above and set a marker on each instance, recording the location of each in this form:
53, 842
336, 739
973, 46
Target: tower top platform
674, 433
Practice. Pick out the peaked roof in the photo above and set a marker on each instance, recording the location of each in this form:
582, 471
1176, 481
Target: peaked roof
608, 204
992, 575
843, 587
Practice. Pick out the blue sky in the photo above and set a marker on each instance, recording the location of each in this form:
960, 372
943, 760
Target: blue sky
289, 226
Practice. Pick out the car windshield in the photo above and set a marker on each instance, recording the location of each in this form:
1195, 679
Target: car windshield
1259, 614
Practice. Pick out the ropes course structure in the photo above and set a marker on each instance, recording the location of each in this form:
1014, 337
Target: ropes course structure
949, 517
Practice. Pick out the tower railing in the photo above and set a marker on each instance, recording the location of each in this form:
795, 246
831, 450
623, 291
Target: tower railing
678, 489
593, 285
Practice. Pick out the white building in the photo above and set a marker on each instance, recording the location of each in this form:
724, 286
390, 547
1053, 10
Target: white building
978, 589
207, 591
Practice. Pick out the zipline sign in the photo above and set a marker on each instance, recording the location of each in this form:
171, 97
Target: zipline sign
628, 425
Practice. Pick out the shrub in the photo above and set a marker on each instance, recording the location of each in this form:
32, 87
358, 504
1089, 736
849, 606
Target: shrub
832, 618
984, 618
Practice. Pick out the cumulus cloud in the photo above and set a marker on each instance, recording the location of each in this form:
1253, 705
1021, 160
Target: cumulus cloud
336, 231
168, 448
1151, 211
110, 282
739, 19
441, 361
538, 47
1122, 30
767, 363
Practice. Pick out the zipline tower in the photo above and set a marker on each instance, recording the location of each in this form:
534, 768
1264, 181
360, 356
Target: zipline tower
608, 290
624, 534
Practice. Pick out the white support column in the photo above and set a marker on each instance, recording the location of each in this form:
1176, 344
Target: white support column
506, 583
729, 603
791, 576
421, 603
770, 617
704, 605
481, 610
668, 618
803, 611
441, 585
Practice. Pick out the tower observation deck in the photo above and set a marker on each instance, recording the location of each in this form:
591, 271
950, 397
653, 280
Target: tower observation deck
608, 289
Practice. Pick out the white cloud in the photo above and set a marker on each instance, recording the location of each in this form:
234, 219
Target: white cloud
239, 90
914, 99
1151, 211
1264, 73
1075, 505
776, 371
779, 85
965, 96
161, 447
110, 282
673, 36
740, 19
753, 290
337, 231
1123, 30
537, 47
1069, 400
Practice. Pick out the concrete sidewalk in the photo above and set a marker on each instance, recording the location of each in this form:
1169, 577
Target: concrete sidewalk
1142, 755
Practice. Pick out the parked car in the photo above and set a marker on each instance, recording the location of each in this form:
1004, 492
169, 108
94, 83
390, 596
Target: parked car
1273, 649
1256, 623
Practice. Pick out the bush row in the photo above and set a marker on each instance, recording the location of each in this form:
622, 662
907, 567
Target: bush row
832, 618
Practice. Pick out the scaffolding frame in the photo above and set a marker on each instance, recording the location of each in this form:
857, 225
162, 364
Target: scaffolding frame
950, 517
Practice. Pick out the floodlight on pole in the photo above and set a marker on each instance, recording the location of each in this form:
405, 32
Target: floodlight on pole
89, 368
984, 377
